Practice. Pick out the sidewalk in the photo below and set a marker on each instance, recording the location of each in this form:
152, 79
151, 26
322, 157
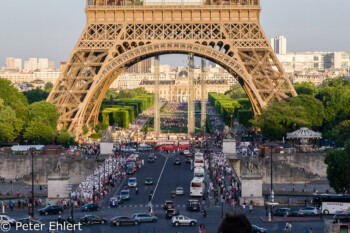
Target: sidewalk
292, 219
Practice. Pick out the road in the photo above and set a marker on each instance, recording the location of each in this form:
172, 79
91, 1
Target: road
166, 177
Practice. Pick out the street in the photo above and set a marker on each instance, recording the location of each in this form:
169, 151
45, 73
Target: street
166, 177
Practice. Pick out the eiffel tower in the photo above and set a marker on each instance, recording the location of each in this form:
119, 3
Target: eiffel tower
120, 33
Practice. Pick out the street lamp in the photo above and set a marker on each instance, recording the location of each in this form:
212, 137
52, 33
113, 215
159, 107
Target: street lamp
31, 151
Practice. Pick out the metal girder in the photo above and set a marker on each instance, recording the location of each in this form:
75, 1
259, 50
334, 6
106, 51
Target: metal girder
117, 37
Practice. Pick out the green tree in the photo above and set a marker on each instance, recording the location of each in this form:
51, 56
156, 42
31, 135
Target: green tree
48, 87
85, 129
279, 118
305, 88
38, 131
10, 125
13, 98
64, 138
35, 95
313, 108
237, 92
45, 111
344, 132
337, 170
335, 95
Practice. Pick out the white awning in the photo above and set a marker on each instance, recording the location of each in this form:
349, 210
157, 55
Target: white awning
26, 147
304, 133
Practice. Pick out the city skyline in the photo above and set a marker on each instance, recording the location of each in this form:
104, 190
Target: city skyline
53, 32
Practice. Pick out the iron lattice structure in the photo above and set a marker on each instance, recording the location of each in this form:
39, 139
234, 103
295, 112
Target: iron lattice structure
120, 34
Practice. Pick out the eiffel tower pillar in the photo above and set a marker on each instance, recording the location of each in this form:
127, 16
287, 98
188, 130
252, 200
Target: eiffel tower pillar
156, 97
191, 94
203, 97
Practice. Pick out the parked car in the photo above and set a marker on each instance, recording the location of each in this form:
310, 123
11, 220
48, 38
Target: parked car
257, 229
90, 207
296, 213
177, 161
148, 181
169, 213
309, 210
151, 159
125, 194
179, 191
132, 182
169, 205
183, 220
285, 212
145, 148
4, 219
26, 222
342, 217
92, 219
51, 209
193, 205
143, 217
122, 220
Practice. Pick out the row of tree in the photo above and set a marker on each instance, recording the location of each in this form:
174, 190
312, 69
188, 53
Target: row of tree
325, 108
28, 118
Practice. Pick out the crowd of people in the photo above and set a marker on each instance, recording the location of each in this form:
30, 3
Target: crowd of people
99, 182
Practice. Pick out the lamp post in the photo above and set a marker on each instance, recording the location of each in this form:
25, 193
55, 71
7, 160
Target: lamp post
69, 191
31, 151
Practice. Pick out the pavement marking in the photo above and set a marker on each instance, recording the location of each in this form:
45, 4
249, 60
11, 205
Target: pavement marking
157, 206
160, 176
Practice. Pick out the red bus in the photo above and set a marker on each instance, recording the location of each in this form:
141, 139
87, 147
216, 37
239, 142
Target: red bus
185, 145
166, 146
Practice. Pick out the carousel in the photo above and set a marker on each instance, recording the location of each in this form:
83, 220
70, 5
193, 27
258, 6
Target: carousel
305, 140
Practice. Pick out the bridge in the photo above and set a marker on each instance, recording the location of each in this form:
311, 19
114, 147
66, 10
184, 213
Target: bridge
119, 34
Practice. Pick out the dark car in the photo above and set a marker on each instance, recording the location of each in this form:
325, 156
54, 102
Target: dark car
188, 160
130, 171
296, 213
148, 181
342, 217
193, 205
169, 213
73, 221
90, 207
169, 205
151, 159
92, 219
51, 209
177, 161
281, 212
122, 220
257, 229
143, 217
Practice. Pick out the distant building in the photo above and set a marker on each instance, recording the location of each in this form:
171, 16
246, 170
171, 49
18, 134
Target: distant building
298, 62
31, 64
143, 66
279, 45
13, 63
43, 64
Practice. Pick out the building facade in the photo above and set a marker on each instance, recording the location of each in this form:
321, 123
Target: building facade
279, 45
177, 90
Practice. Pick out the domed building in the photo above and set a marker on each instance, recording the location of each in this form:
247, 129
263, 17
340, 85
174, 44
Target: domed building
178, 90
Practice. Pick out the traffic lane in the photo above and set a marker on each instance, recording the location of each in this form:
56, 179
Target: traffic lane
174, 176
148, 170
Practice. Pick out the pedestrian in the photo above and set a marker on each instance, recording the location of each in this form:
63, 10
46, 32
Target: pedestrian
287, 227
310, 231
306, 230
11, 205
250, 207
290, 226
244, 205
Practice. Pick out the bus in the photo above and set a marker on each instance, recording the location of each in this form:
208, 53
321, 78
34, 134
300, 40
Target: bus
184, 145
197, 187
331, 203
198, 161
198, 172
166, 146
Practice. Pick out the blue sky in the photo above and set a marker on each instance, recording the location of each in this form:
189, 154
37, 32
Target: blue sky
51, 28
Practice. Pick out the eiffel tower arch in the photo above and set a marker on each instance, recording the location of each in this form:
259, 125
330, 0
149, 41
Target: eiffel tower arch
119, 34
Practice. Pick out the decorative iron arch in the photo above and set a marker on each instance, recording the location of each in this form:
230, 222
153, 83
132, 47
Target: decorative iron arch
114, 68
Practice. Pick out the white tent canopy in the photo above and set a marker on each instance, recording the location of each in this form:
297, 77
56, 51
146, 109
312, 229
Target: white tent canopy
304, 133
26, 147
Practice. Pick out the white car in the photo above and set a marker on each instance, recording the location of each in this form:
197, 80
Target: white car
183, 220
132, 182
186, 152
6, 219
179, 191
